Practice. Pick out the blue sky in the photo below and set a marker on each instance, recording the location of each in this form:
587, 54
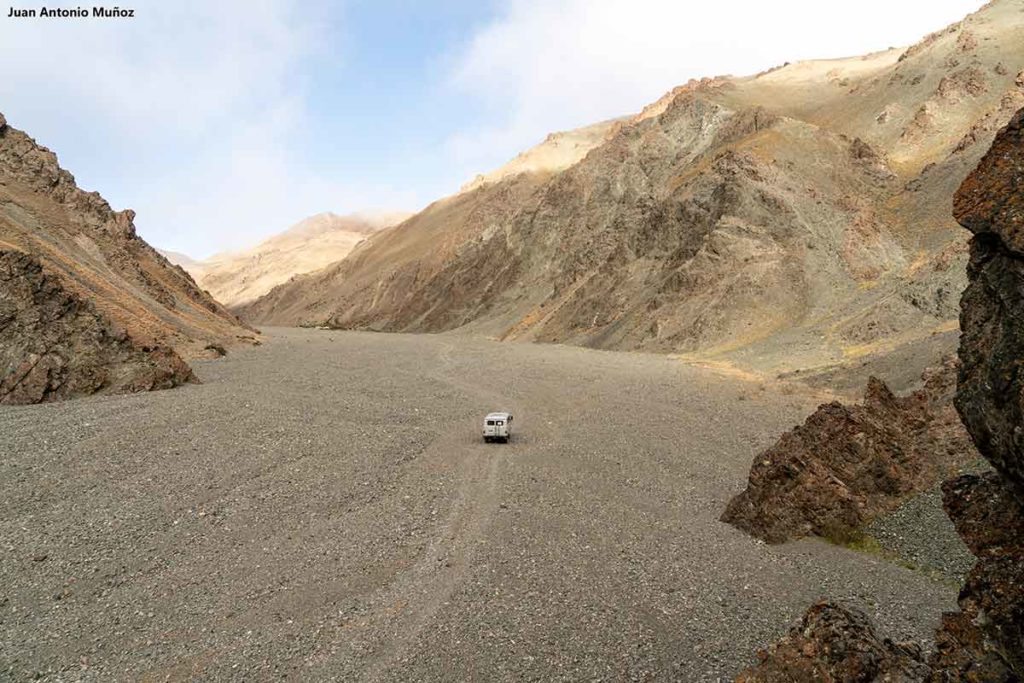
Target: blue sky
223, 122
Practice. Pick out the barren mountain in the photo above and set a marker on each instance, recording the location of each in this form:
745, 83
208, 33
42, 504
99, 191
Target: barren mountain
796, 218
85, 304
984, 640
558, 152
191, 266
237, 278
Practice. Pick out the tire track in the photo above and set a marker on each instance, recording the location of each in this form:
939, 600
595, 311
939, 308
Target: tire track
407, 605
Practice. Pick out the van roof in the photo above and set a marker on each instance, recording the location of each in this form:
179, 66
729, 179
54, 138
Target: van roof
497, 416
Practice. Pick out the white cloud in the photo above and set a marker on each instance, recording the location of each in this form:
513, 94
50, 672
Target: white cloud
547, 65
250, 186
190, 113
196, 112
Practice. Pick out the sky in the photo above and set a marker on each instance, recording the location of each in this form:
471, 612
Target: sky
223, 122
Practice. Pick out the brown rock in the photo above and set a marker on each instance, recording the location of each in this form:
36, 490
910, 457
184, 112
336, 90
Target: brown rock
987, 514
54, 345
990, 203
834, 643
848, 464
984, 641
96, 255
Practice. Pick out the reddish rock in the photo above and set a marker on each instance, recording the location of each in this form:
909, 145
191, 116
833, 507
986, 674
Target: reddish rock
836, 644
847, 464
54, 345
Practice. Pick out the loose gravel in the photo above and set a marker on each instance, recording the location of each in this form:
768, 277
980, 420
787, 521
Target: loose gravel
324, 508
920, 534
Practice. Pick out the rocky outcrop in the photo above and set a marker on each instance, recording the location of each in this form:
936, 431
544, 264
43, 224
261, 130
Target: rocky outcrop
98, 258
848, 464
990, 204
836, 644
984, 641
54, 345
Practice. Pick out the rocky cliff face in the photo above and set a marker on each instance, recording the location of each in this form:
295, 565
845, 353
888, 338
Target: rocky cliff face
848, 464
54, 345
795, 218
985, 640
87, 306
991, 205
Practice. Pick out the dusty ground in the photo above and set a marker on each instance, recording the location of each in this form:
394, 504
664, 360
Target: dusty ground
323, 507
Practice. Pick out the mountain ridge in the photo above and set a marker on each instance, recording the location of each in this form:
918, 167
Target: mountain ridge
86, 305
792, 219
237, 277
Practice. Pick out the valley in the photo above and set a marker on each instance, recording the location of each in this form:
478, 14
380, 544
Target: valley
323, 507
760, 337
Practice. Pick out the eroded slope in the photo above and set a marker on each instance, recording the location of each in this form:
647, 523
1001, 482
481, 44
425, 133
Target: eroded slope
799, 218
97, 255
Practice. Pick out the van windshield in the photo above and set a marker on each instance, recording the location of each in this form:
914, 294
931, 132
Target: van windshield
490, 423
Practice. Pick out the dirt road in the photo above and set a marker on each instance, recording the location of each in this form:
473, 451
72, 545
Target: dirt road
323, 508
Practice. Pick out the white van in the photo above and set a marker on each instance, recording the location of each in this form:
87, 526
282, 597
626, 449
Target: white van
498, 427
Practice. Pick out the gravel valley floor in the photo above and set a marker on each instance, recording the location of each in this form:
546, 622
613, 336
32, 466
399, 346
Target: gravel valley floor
323, 508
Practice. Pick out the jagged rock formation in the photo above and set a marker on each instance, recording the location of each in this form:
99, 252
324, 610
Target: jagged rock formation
836, 644
791, 219
848, 464
991, 205
985, 640
237, 278
54, 345
87, 306
97, 256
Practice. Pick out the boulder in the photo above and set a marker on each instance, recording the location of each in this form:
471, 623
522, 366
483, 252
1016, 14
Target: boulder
836, 643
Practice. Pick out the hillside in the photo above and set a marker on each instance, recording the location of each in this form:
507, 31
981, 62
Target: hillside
85, 304
237, 278
794, 219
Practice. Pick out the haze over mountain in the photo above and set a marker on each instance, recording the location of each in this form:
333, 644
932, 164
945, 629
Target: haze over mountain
795, 218
239, 277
